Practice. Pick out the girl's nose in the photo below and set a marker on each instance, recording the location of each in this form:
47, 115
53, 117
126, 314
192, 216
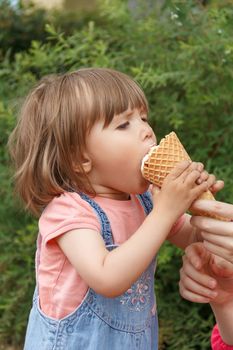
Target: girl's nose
147, 131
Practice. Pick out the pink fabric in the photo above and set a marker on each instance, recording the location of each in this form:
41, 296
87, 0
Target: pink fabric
61, 289
216, 341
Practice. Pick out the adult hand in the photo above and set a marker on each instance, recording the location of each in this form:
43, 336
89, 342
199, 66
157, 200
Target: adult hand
198, 285
217, 235
204, 277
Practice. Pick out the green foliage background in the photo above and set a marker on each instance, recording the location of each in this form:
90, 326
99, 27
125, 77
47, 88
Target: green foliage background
182, 54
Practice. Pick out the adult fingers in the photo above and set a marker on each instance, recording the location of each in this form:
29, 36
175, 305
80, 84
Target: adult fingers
215, 207
197, 254
194, 291
221, 267
219, 251
191, 296
219, 240
199, 277
213, 226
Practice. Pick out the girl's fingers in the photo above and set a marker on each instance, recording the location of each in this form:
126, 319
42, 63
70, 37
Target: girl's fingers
198, 190
155, 191
215, 207
199, 166
218, 186
193, 171
191, 177
203, 177
179, 169
211, 180
182, 169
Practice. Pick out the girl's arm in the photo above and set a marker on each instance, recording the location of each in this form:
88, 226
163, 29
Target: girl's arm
112, 273
186, 235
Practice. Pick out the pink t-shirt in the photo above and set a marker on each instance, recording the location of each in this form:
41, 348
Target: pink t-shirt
216, 341
61, 289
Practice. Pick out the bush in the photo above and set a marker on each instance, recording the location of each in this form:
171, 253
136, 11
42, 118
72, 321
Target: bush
17, 26
17, 242
182, 56
18, 23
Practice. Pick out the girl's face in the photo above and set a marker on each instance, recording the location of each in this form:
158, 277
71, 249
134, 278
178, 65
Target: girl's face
115, 153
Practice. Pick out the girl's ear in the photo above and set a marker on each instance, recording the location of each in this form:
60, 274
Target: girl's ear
86, 165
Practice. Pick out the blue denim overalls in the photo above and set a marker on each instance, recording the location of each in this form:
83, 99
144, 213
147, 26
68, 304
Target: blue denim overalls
127, 322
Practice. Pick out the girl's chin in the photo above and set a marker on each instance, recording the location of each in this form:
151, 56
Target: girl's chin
144, 187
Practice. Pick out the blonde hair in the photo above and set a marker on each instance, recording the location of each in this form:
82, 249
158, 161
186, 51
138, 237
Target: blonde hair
55, 119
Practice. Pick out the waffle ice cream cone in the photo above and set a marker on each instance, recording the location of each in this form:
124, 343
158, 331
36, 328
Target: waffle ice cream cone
161, 159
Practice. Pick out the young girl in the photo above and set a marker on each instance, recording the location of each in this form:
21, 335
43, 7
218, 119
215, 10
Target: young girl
78, 148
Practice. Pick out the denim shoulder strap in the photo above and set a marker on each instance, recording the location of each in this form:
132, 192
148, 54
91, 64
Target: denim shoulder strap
106, 231
105, 224
146, 201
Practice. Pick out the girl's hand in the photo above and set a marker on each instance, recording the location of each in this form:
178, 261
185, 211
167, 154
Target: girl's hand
217, 186
218, 235
204, 278
180, 188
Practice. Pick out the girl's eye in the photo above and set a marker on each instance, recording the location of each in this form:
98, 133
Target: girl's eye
123, 126
144, 119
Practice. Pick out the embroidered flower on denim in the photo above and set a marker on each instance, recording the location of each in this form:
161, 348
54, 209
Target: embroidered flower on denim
137, 297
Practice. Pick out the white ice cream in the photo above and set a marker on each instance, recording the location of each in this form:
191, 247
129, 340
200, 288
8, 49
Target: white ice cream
147, 156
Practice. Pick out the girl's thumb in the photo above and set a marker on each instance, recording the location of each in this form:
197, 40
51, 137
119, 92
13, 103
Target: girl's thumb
155, 190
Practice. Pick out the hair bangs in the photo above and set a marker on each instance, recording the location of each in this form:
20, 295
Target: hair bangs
109, 93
